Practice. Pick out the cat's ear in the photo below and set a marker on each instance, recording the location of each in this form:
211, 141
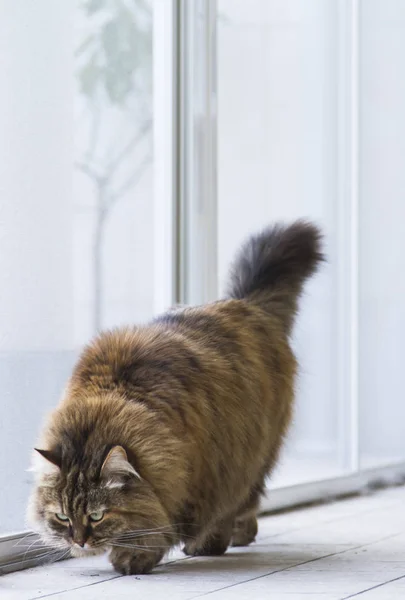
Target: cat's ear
46, 462
117, 468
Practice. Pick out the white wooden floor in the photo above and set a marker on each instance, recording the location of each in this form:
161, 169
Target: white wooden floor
354, 548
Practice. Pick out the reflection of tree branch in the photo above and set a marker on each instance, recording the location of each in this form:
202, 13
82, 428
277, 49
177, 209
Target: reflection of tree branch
131, 181
89, 172
94, 131
114, 164
121, 34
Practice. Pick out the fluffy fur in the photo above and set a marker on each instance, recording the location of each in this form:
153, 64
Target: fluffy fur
168, 431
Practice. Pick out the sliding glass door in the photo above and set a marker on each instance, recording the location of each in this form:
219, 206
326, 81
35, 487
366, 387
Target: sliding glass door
277, 142
382, 241
310, 124
77, 211
143, 140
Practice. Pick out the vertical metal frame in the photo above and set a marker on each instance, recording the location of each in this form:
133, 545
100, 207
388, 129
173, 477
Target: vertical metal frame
354, 235
348, 231
165, 111
197, 151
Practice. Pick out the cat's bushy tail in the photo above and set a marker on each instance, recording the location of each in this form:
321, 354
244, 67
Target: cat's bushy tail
271, 268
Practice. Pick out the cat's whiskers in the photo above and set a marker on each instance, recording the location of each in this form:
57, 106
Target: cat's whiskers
31, 552
29, 544
161, 527
137, 547
31, 547
42, 557
145, 533
176, 537
23, 539
62, 557
169, 529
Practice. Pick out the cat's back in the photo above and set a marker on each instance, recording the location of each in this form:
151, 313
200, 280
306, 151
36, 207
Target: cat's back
232, 333
187, 348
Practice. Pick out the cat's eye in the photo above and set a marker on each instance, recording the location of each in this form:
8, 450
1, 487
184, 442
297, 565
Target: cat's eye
96, 516
62, 517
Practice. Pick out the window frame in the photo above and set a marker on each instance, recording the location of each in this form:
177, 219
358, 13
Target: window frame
197, 151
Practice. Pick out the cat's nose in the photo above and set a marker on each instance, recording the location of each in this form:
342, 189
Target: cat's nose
80, 542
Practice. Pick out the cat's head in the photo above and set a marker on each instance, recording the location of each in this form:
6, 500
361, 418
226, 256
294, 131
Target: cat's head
90, 506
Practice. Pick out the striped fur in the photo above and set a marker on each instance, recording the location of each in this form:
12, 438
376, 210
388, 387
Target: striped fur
198, 403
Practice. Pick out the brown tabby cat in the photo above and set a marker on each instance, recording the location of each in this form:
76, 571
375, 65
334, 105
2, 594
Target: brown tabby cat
167, 432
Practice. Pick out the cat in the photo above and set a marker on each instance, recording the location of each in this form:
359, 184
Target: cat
166, 433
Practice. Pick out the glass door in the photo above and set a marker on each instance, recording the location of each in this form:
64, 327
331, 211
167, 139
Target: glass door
83, 242
278, 130
142, 141
309, 125
382, 243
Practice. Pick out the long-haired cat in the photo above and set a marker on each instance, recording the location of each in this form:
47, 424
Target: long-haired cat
167, 432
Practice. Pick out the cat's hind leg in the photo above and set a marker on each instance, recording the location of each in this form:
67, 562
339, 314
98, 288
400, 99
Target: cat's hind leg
245, 524
212, 543
244, 530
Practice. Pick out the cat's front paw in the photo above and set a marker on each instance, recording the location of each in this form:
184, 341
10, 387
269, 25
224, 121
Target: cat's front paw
189, 548
134, 562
